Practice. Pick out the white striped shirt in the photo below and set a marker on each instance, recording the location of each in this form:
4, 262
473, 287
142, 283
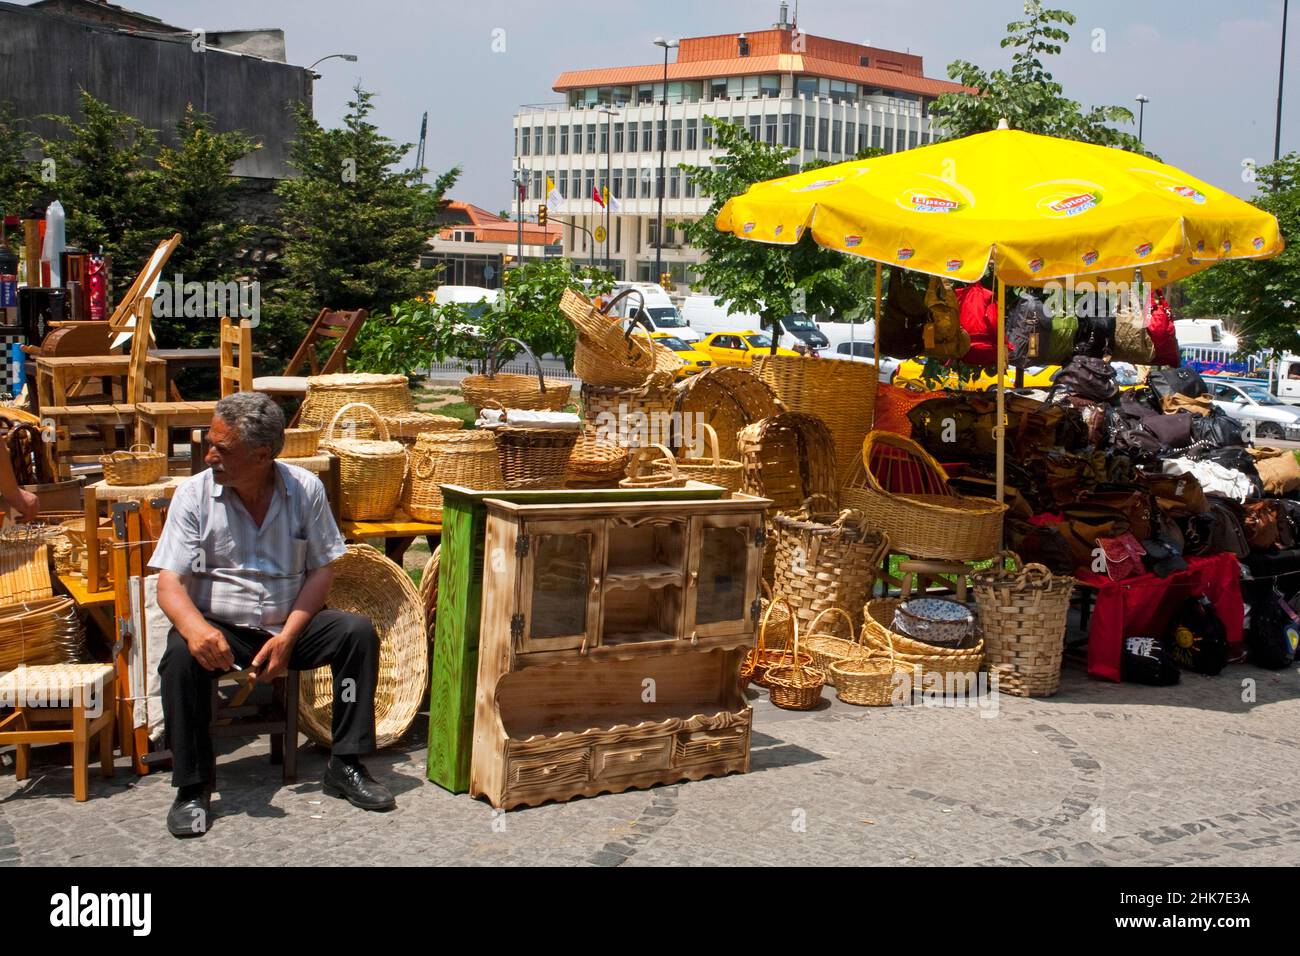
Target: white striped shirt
236, 572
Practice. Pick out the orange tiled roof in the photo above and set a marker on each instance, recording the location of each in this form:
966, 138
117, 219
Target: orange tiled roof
489, 227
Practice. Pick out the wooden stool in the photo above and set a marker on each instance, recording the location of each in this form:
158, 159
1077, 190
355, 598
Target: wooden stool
61, 693
101, 492
281, 722
921, 573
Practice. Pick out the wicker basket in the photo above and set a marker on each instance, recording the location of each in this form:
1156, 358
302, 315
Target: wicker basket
532, 457
605, 353
594, 463
867, 681
841, 394
919, 658
371, 473
1023, 618
825, 559
825, 649
48, 631
719, 471
407, 428
727, 399
628, 417
513, 390
901, 489
133, 467
300, 442
25, 564
764, 653
640, 475
791, 684
368, 584
787, 458
429, 594
388, 395
467, 457
778, 629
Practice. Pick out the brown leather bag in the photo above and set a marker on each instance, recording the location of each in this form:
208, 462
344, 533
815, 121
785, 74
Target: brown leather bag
1261, 525
1201, 405
1084, 524
1177, 495
1134, 504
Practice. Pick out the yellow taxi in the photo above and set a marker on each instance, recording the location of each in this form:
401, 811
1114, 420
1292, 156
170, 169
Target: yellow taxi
693, 362
1040, 377
738, 348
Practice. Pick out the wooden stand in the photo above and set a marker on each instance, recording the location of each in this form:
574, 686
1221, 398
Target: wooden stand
612, 638
101, 492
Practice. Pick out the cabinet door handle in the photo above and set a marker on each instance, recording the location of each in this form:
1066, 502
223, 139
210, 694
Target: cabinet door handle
695, 638
595, 585
695, 578
583, 650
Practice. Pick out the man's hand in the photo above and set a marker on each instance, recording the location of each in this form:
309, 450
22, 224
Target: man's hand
26, 504
211, 650
272, 660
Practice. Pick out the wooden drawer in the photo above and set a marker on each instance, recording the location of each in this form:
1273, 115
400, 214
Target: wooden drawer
707, 746
550, 770
613, 760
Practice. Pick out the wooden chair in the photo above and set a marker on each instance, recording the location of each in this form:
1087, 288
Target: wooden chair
343, 327
71, 687
155, 420
235, 717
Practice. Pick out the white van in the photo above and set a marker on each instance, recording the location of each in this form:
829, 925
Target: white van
707, 316
659, 310
469, 295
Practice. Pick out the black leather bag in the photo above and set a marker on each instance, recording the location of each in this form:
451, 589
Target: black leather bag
1174, 431
1089, 378
1028, 318
1217, 429
1184, 381
902, 334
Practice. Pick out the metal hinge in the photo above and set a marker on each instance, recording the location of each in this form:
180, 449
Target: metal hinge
124, 630
755, 609
120, 511
516, 627
521, 545
760, 536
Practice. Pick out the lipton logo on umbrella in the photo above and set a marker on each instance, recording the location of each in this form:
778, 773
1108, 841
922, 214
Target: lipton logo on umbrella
954, 264
1187, 192
778, 230
819, 184
1258, 243
1035, 265
748, 228
934, 204
905, 253
852, 241
1143, 250
1073, 205
1090, 257
1227, 245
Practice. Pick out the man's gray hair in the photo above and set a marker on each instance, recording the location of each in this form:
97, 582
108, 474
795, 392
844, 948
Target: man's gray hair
256, 417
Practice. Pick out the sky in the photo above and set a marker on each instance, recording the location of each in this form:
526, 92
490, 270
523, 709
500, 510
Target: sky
1210, 69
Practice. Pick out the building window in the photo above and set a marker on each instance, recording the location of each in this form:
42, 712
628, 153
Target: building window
590, 184
645, 93
911, 139
564, 140
576, 142
810, 132
550, 141
645, 182
539, 184
769, 124
706, 129
604, 138
562, 182
676, 142
525, 142
864, 61
591, 137
787, 125
616, 184
689, 186
805, 87
692, 133
647, 136
537, 140
837, 137
875, 136
663, 135
769, 85
652, 227
756, 127
675, 184
618, 137
718, 88
823, 135
850, 137
618, 235
900, 139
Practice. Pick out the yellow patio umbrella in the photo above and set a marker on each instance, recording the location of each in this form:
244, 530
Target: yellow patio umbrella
1040, 209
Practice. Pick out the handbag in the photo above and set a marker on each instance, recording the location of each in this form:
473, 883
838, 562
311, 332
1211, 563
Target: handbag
1217, 430
1176, 495
1199, 640
1279, 471
1219, 529
943, 336
1028, 332
1174, 431
1274, 631
1161, 329
1261, 525
1124, 554
1177, 402
1041, 544
902, 334
1086, 377
1133, 503
1084, 524
1184, 381
1132, 342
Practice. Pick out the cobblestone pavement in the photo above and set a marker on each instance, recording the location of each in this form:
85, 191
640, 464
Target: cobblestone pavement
1100, 774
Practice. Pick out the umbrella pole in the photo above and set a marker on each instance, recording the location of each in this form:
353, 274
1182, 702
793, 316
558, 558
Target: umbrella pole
879, 272
999, 428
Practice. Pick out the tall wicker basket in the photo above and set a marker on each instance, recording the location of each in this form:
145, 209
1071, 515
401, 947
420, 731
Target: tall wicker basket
467, 457
371, 472
1023, 616
630, 417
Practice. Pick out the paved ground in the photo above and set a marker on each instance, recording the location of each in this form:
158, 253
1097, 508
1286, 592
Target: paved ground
1100, 774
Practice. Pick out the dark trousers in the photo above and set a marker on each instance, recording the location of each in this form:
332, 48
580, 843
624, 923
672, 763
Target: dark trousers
347, 642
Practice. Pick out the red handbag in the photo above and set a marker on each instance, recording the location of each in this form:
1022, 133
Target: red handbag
1124, 554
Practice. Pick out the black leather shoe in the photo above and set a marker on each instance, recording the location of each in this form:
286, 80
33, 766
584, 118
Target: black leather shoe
352, 782
190, 812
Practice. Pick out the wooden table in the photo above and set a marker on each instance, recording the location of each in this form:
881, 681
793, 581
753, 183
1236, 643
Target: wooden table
398, 533
58, 377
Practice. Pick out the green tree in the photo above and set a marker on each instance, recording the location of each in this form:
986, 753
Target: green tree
355, 221
769, 280
18, 181
1027, 95
1261, 297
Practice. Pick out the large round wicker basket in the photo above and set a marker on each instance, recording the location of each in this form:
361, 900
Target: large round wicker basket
371, 472
727, 399
429, 594
468, 458
788, 459
513, 390
368, 584
917, 657
388, 395
140, 465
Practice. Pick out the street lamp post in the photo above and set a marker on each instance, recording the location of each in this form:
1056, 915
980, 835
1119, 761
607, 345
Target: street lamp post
1281, 72
350, 57
609, 174
519, 179
663, 151
1142, 102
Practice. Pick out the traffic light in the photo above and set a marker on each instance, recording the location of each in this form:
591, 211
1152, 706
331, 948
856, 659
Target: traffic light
666, 281
541, 214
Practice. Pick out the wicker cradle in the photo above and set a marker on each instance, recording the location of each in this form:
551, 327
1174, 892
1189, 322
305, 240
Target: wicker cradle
899, 487
1023, 616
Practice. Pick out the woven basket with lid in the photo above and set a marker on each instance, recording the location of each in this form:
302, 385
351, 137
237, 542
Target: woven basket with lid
371, 472
388, 395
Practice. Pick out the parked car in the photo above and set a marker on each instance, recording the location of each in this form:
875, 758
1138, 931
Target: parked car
476, 298
1253, 405
693, 362
707, 315
865, 352
738, 348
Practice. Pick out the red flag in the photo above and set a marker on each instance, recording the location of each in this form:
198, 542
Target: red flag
595, 194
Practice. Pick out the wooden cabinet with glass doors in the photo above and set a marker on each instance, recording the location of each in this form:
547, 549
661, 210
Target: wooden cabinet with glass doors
611, 643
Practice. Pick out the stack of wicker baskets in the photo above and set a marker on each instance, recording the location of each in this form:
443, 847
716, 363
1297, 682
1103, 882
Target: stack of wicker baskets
388, 395
1023, 618
727, 399
467, 457
368, 584
901, 489
841, 394
595, 463
774, 636
608, 355
408, 427
371, 472
921, 659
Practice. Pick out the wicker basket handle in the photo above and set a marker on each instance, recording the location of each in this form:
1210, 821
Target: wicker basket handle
711, 434
374, 417
836, 609
608, 306
495, 366
504, 411
418, 469
767, 615
638, 456
1037, 575
817, 494
149, 449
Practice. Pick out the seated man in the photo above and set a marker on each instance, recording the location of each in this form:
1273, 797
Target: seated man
244, 562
